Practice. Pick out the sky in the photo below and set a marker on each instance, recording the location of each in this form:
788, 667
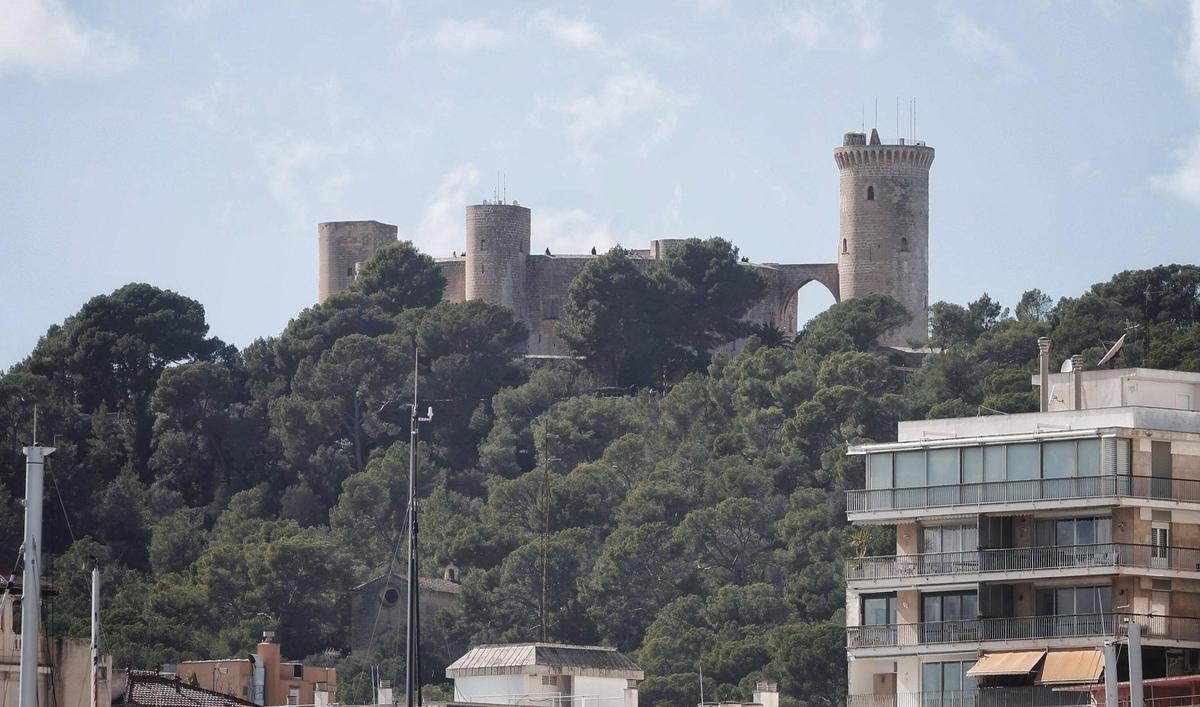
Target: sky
196, 144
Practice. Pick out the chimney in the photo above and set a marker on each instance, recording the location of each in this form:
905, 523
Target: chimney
767, 694
1044, 371
383, 694
1077, 382
631, 693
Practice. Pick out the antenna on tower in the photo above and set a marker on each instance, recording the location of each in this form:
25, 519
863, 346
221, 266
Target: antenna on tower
897, 118
875, 125
505, 183
863, 127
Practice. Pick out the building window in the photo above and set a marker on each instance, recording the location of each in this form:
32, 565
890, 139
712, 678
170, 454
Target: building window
879, 609
949, 618
391, 595
903, 245
947, 684
870, 193
845, 246
481, 267
1076, 611
293, 697
1160, 544
350, 271
298, 671
482, 244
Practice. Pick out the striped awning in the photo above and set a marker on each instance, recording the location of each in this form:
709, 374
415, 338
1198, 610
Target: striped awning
1006, 663
1069, 667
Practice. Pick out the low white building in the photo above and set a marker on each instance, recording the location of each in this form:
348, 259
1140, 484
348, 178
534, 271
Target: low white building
547, 674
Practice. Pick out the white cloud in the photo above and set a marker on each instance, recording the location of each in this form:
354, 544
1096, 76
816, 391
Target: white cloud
577, 33
570, 231
441, 228
465, 35
623, 99
967, 37
44, 38
854, 23
211, 105
1184, 180
301, 173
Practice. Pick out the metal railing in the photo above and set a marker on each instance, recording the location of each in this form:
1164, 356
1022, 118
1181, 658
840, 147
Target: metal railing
1150, 487
1050, 557
1184, 628
1028, 696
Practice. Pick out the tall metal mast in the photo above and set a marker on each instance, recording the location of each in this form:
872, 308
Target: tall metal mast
31, 580
412, 672
95, 635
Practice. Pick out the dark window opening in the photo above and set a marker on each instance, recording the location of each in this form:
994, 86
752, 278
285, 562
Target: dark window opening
482, 244
870, 193
350, 271
391, 595
904, 245
845, 246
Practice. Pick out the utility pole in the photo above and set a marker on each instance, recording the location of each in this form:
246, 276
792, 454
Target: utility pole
31, 580
412, 671
545, 524
96, 636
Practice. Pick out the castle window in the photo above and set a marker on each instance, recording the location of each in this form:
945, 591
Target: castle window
481, 267
903, 245
391, 595
845, 246
482, 244
870, 193
350, 271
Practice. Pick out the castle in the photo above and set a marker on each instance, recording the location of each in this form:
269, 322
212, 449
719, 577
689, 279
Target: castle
882, 247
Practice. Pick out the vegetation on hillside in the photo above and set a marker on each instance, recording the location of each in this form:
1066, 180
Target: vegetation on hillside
695, 521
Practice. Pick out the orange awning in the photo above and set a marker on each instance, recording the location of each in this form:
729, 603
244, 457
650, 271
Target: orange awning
1008, 663
1062, 667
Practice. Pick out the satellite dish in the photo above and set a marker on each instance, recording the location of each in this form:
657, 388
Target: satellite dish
1066, 366
1112, 351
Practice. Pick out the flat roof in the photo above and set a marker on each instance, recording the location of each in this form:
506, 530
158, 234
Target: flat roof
522, 658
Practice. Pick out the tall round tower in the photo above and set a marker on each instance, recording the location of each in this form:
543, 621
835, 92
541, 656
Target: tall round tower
497, 252
884, 241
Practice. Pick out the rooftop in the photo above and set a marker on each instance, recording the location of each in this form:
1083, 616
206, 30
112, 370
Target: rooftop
559, 659
151, 689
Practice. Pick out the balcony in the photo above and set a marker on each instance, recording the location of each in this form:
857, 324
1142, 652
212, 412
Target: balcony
1019, 562
912, 637
1031, 696
1029, 494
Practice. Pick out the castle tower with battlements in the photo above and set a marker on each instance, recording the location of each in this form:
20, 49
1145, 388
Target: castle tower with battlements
883, 245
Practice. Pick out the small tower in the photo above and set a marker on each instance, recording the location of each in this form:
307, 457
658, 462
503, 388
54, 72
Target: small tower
342, 247
883, 246
497, 253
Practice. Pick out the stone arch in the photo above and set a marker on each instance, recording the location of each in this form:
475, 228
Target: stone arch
794, 278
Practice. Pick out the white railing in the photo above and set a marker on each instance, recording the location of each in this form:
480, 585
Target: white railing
1149, 487
1024, 558
1183, 628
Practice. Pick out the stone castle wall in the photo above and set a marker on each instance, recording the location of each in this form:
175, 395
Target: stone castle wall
342, 246
882, 247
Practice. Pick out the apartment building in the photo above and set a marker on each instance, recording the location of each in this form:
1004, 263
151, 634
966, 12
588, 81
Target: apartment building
1025, 541
264, 678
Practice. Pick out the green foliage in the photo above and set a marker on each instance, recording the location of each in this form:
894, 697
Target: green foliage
696, 525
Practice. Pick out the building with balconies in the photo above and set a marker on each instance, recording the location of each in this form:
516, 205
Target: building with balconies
1025, 541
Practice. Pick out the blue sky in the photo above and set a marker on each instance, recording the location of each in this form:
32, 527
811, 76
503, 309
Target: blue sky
195, 144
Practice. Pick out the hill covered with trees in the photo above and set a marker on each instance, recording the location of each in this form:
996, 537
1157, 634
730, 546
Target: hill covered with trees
694, 519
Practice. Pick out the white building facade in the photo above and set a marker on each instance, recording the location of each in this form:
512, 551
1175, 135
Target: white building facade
546, 674
1025, 541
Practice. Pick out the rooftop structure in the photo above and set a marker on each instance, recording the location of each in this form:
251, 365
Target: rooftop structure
149, 688
545, 674
263, 678
377, 608
1024, 541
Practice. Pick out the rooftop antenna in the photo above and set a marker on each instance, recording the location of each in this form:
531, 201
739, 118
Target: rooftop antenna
863, 117
505, 187
875, 125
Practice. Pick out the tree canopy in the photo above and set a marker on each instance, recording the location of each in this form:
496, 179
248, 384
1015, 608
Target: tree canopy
695, 520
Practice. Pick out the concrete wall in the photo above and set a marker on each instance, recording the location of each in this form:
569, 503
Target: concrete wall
883, 245
488, 688
342, 246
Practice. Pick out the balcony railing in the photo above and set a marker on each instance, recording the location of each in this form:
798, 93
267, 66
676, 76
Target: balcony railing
1019, 628
932, 564
1150, 487
1030, 696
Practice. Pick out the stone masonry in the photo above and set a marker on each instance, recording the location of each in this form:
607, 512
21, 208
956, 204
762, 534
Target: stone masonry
883, 247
